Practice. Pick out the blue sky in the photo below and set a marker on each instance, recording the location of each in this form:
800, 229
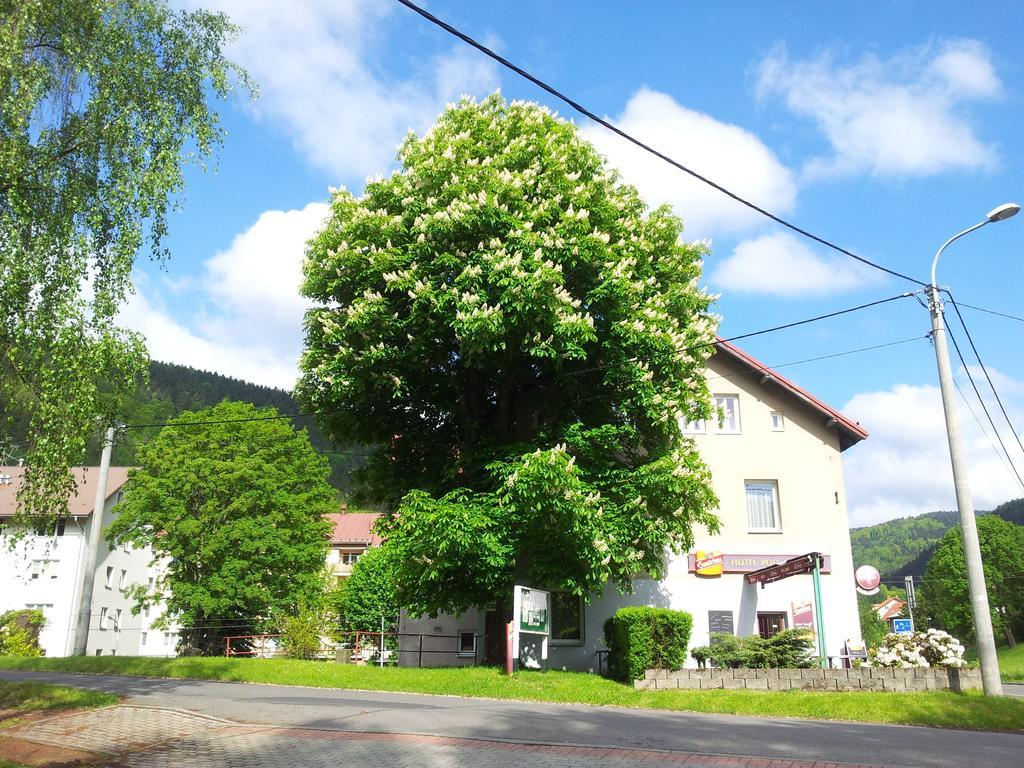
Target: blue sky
885, 129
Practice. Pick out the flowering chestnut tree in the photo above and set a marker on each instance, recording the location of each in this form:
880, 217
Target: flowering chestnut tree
518, 335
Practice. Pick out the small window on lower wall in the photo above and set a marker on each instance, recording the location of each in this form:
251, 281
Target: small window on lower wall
566, 618
467, 644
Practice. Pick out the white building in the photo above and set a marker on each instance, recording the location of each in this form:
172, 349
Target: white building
776, 466
43, 571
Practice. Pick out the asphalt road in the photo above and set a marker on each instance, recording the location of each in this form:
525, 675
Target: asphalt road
561, 724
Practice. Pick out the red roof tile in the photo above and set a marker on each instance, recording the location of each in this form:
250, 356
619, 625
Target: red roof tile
81, 502
354, 528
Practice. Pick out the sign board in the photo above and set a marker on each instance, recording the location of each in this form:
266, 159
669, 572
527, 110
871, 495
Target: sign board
902, 626
533, 611
531, 614
721, 622
868, 579
803, 615
708, 563
732, 563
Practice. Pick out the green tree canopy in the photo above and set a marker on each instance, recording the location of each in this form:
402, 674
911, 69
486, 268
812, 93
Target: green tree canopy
101, 104
234, 514
517, 334
945, 592
369, 593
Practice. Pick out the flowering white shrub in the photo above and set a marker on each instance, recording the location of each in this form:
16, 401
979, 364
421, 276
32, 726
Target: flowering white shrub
933, 648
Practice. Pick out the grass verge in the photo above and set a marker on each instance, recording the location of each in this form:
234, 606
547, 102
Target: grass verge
942, 709
1011, 662
23, 698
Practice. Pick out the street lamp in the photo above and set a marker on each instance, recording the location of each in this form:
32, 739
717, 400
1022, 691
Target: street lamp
972, 551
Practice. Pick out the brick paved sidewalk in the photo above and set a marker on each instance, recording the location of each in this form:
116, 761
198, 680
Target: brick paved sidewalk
147, 737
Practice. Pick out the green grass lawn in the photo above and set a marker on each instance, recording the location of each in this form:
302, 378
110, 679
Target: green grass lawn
934, 708
23, 698
1011, 662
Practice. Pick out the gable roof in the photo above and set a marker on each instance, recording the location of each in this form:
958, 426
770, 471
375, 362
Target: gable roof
889, 608
850, 432
81, 502
354, 528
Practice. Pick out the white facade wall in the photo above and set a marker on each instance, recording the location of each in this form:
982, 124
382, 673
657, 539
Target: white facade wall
56, 589
52, 589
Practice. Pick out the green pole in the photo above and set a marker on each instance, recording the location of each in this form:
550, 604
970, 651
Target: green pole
818, 617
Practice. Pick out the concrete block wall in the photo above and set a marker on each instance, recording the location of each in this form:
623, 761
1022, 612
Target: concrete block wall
814, 679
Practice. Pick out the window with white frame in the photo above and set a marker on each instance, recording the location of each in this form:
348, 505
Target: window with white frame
117, 620
467, 643
728, 407
696, 427
566, 618
103, 618
109, 583
763, 506
122, 582
43, 569
778, 422
350, 558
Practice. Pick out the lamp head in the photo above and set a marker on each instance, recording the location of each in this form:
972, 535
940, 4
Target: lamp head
1004, 211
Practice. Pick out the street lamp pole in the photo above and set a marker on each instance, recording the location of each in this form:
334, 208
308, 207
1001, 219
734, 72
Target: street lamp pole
965, 505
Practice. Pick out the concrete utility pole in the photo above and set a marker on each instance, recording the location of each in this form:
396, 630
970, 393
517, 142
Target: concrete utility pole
965, 505
91, 546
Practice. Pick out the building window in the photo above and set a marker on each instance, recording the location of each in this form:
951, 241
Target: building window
110, 577
728, 407
778, 422
103, 618
145, 636
42, 569
123, 581
698, 427
566, 618
467, 643
99, 651
145, 612
763, 506
117, 620
61, 525
350, 558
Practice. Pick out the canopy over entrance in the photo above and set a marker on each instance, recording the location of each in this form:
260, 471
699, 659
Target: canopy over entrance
792, 567
810, 563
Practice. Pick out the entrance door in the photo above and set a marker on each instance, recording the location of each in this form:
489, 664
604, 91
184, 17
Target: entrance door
769, 624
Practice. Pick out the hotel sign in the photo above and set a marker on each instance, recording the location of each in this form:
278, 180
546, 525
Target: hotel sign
716, 563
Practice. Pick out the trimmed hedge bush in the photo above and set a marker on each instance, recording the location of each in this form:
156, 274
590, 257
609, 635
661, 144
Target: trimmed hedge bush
791, 648
641, 638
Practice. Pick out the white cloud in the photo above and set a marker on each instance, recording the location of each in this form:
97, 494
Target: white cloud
317, 66
898, 117
249, 324
727, 154
782, 265
903, 467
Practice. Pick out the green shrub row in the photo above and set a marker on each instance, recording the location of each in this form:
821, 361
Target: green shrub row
790, 648
640, 638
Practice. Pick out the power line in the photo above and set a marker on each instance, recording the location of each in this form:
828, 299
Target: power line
985, 371
984, 407
751, 334
1002, 459
647, 148
824, 357
990, 311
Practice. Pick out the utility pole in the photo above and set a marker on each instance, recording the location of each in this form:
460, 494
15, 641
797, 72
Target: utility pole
91, 546
911, 599
990, 679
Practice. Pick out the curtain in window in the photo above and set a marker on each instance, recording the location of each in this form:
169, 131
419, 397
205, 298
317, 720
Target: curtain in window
761, 506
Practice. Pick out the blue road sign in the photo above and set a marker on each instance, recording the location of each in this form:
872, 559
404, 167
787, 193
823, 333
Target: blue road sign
902, 626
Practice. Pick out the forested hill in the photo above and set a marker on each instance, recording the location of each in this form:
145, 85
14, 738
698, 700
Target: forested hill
174, 388
900, 548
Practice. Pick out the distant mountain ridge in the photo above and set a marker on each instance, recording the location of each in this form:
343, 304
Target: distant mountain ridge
903, 547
